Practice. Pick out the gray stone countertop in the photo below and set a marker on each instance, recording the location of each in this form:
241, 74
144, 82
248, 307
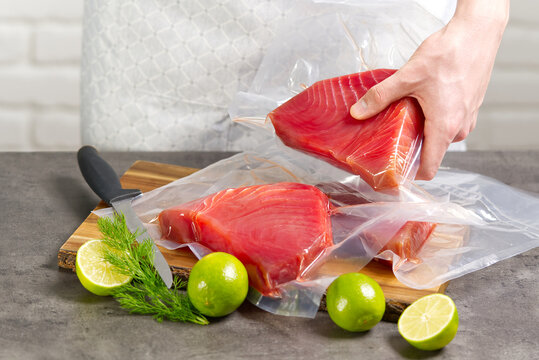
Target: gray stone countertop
46, 314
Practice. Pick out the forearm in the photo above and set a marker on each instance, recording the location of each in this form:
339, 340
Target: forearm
472, 39
491, 13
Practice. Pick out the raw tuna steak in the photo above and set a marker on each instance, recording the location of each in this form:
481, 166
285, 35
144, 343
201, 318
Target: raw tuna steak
408, 242
380, 150
275, 230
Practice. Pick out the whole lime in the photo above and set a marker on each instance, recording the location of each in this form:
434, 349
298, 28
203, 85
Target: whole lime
355, 302
218, 284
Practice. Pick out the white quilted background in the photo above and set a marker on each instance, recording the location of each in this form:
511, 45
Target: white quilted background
159, 75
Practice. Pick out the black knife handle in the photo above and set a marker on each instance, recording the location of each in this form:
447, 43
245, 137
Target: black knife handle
101, 176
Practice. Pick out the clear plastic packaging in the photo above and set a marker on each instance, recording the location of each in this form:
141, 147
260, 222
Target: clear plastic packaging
308, 105
297, 297
479, 221
509, 225
276, 230
327, 39
382, 149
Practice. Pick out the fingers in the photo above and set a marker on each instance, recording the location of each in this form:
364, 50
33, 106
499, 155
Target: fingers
462, 134
439, 134
467, 128
435, 144
379, 97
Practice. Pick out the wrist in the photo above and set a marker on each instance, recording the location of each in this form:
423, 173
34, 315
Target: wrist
491, 13
480, 19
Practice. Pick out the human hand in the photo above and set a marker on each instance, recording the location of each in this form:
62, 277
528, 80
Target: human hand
448, 75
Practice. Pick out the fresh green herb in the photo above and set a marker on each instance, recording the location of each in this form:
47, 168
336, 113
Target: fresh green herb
147, 293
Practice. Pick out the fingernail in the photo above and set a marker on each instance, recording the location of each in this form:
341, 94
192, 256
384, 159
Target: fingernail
359, 108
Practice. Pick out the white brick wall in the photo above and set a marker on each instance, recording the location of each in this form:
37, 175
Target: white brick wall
40, 47
14, 40
15, 127
39, 79
69, 10
509, 117
506, 128
55, 129
40, 85
58, 43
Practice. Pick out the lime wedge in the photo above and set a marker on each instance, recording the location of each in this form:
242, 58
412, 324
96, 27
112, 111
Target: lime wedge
95, 274
430, 323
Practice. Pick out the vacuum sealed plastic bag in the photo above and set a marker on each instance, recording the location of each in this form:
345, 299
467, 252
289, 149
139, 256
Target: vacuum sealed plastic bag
276, 230
510, 225
300, 89
382, 149
478, 221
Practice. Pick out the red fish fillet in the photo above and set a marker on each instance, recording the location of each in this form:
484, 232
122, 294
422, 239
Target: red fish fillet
408, 241
275, 230
380, 149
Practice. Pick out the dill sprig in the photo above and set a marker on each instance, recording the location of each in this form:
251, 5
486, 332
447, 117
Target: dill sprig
147, 294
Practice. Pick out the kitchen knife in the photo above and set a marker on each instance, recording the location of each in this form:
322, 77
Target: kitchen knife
106, 184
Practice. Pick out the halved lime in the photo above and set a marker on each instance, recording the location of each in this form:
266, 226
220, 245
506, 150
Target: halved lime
430, 323
218, 284
95, 274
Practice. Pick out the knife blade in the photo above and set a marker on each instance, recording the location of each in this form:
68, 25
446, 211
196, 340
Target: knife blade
104, 181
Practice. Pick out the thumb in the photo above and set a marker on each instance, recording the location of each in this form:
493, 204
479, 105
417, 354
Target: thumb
379, 97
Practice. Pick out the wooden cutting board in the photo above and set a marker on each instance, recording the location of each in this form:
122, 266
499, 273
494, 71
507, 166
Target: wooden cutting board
147, 176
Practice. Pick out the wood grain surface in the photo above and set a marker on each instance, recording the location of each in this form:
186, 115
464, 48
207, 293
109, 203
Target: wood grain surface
147, 176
